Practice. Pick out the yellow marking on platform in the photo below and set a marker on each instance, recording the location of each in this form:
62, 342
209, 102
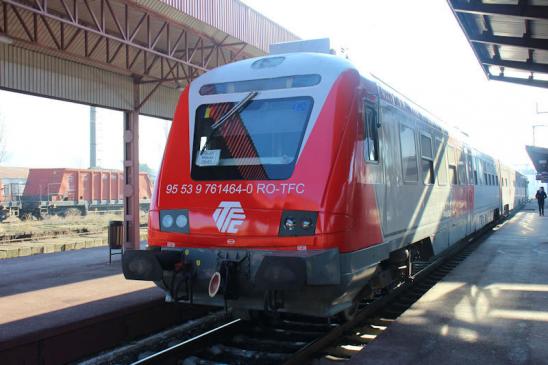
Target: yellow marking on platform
518, 287
537, 316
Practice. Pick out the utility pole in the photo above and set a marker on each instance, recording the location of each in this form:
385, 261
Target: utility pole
92, 138
536, 126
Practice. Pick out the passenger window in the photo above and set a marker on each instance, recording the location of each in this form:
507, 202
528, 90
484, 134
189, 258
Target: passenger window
461, 168
371, 141
408, 154
481, 169
427, 161
452, 166
441, 162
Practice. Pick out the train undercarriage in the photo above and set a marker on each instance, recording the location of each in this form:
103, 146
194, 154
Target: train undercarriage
273, 281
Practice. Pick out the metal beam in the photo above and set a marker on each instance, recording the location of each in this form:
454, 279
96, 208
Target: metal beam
516, 80
149, 49
531, 67
526, 12
130, 49
509, 41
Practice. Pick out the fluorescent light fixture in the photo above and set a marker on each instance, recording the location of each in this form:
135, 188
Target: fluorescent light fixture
5, 39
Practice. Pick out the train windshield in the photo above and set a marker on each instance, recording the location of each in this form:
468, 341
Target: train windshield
260, 141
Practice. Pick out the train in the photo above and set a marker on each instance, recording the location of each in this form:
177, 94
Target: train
69, 192
293, 183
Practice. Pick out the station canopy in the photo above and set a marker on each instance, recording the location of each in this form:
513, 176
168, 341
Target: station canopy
539, 157
509, 37
95, 51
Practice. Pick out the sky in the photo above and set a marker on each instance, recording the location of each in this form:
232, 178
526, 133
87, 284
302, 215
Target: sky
417, 47
36, 134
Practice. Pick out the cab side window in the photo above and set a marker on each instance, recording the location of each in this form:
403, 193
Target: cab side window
371, 141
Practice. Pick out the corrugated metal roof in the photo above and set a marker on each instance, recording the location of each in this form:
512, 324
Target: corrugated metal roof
228, 16
32, 72
509, 37
95, 61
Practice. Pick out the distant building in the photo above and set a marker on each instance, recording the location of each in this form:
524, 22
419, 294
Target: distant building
12, 182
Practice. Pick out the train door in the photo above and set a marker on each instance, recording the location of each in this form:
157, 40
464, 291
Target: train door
469, 192
392, 170
372, 151
457, 178
499, 173
405, 198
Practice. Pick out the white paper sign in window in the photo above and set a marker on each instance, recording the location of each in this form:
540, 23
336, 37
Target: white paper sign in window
208, 158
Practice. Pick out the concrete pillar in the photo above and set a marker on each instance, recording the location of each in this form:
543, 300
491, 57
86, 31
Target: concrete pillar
131, 175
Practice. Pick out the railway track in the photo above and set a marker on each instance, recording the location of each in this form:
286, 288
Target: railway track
291, 339
34, 236
19, 237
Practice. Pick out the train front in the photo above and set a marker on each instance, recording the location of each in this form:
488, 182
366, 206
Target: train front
242, 213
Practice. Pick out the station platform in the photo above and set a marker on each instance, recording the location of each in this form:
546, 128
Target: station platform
491, 309
49, 301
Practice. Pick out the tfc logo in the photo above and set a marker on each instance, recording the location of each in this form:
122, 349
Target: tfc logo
229, 216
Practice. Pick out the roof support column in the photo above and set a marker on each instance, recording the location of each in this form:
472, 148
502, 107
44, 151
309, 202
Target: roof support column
131, 174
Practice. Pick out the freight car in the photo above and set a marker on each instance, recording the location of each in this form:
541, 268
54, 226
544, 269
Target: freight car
12, 183
293, 183
73, 192
10, 200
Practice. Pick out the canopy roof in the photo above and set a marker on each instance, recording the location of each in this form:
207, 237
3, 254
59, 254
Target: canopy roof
509, 37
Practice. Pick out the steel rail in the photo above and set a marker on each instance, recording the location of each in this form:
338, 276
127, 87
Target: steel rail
190, 344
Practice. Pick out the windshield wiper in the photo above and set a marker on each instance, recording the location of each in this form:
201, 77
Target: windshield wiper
235, 109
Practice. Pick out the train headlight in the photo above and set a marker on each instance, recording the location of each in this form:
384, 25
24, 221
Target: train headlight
174, 220
167, 221
181, 221
298, 223
290, 224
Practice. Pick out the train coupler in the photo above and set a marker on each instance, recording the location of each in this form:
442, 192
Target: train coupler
184, 273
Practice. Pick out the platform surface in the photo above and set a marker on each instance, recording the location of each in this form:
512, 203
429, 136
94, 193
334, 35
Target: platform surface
491, 309
42, 292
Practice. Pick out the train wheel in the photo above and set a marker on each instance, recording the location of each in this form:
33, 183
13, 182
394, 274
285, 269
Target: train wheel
72, 212
27, 217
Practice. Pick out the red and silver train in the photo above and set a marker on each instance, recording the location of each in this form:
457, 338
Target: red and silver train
293, 183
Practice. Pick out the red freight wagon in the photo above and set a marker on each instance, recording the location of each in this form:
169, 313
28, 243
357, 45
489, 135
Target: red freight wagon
63, 191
